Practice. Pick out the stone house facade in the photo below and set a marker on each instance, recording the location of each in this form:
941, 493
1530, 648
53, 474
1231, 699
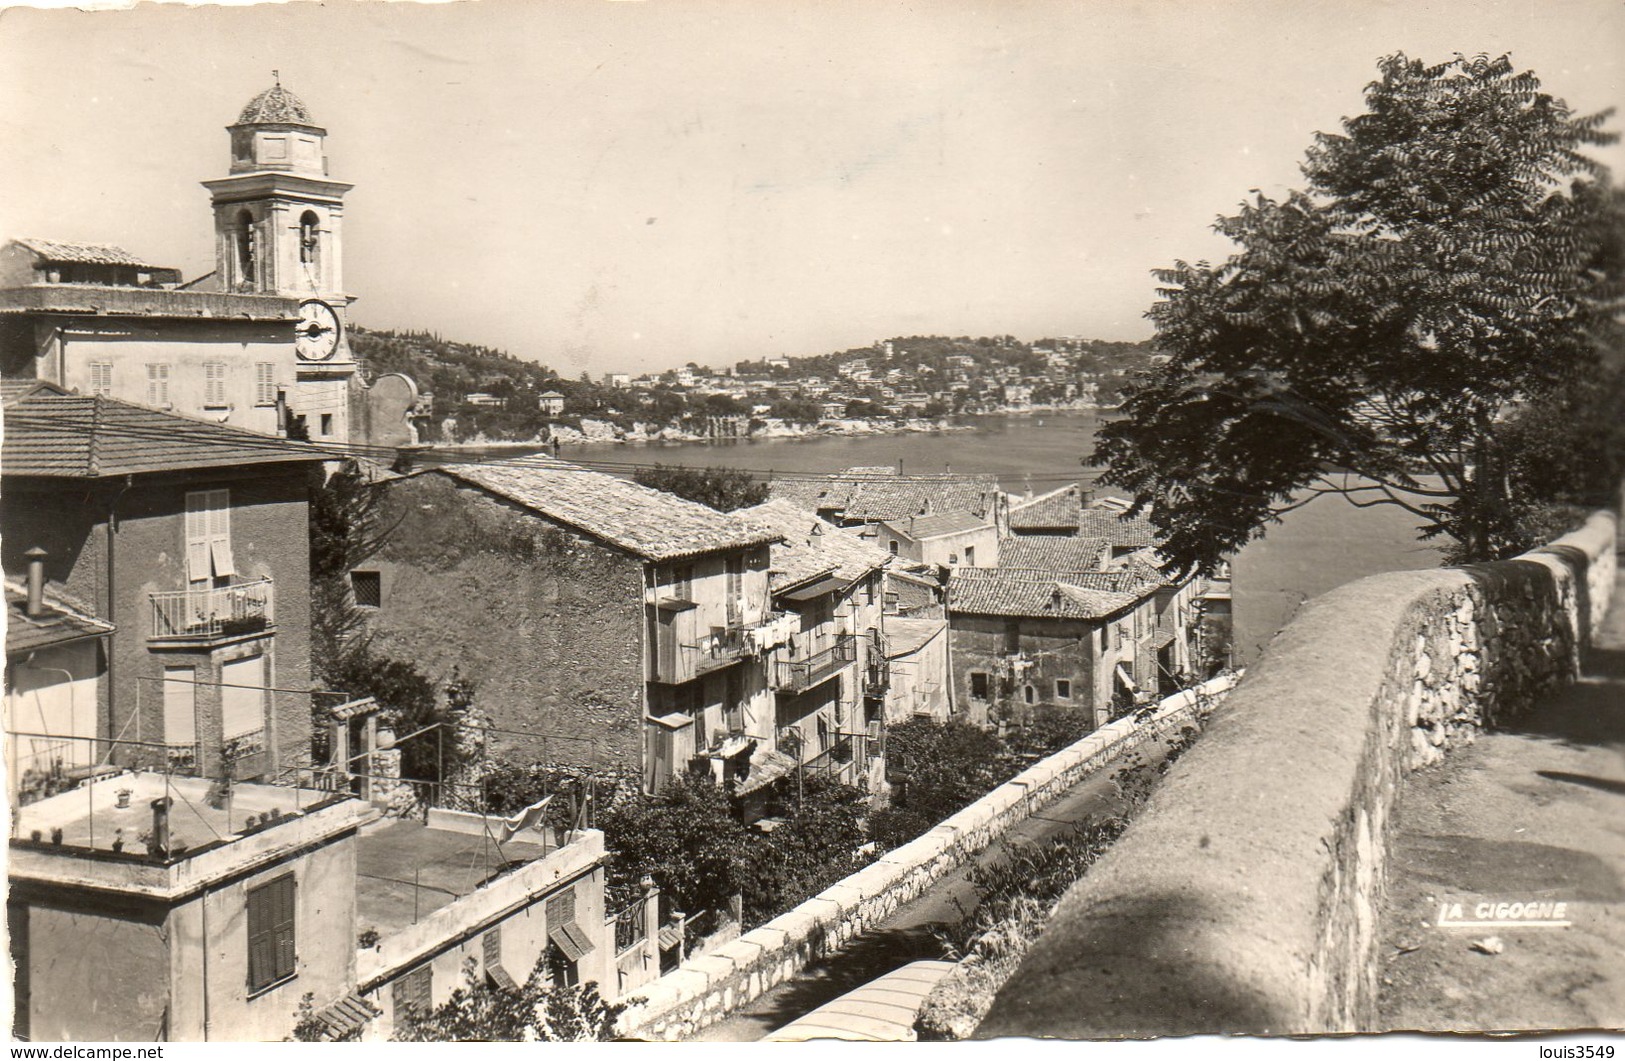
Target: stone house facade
603, 623
190, 541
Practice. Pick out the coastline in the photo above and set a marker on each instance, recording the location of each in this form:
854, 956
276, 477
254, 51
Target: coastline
599, 432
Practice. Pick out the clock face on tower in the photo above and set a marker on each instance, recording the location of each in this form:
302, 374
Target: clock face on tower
317, 334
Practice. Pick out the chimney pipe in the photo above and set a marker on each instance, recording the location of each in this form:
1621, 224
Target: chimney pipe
36, 581
159, 845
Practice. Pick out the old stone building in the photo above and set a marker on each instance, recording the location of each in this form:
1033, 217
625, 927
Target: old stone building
603, 622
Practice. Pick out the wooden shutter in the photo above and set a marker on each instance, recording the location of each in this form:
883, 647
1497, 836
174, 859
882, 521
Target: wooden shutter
214, 383
242, 697
158, 383
198, 564
272, 954
180, 705
220, 533
491, 948
265, 383
414, 993
101, 377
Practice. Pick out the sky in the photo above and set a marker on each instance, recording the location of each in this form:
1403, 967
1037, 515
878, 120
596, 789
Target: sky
629, 186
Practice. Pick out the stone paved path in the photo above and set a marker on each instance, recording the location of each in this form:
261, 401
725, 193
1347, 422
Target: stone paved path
1535, 812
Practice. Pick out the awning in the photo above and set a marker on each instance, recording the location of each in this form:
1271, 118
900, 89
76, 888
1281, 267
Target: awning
346, 1016
1124, 677
674, 604
570, 940
1164, 639
821, 588
729, 748
767, 765
670, 936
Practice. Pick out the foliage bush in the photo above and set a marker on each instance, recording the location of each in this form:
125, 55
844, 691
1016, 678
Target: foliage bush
937, 768
479, 1011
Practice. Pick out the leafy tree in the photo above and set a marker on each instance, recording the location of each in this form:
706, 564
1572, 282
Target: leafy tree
941, 768
479, 1011
686, 838
816, 846
1448, 262
724, 489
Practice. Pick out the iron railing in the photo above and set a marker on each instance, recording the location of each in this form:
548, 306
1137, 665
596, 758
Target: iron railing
799, 675
213, 613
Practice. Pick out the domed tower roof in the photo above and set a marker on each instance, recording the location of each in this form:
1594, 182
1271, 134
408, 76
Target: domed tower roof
276, 106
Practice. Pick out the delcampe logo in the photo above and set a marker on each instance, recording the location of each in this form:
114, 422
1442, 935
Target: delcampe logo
1533, 913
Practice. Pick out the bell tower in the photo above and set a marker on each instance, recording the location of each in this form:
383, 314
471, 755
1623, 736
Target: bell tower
278, 226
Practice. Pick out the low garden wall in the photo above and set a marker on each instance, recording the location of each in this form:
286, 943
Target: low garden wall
1243, 897
711, 987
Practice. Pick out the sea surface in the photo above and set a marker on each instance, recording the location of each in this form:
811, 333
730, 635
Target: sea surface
1044, 450
1321, 546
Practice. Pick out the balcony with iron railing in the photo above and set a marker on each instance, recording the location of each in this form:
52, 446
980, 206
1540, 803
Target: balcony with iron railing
215, 613
798, 675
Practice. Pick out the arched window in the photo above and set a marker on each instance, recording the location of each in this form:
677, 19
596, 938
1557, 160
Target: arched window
1029, 694
247, 248
309, 237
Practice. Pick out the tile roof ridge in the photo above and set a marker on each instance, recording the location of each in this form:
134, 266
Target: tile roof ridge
93, 440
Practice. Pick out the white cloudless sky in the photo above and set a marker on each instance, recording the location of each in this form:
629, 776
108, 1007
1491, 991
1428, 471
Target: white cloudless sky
613, 186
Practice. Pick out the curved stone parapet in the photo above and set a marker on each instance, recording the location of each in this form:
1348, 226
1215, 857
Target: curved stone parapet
1243, 897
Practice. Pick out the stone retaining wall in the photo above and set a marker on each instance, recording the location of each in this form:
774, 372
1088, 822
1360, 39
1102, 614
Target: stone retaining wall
1243, 897
710, 988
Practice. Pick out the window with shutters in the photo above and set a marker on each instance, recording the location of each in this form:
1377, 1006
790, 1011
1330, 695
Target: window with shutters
264, 383
413, 994
208, 536
242, 697
214, 385
101, 377
158, 384
180, 707
271, 954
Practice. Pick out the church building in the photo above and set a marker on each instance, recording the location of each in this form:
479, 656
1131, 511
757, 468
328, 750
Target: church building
259, 343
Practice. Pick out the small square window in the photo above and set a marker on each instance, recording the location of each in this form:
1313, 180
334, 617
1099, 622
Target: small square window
368, 588
1063, 689
327, 424
978, 686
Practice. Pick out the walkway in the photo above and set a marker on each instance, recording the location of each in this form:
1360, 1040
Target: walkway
908, 934
1535, 812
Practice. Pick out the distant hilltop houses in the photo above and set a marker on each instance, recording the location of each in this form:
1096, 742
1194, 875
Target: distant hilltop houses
898, 384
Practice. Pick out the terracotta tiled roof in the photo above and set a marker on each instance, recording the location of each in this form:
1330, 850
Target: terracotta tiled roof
873, 494
1108, 523
812, 547
12, 390
1054, 552
83, 437
60, 622
1055, 510
905, 636
650, 523
816, 494
56, 250
911, 495
276, 106
937, 524
1029, 593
